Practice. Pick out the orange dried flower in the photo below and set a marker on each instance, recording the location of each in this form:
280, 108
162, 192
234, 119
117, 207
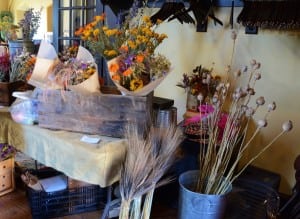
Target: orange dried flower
140, 58
114, 68
127, 72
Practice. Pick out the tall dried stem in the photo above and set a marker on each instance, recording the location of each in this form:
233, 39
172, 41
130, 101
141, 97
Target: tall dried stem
147, 160
220, 157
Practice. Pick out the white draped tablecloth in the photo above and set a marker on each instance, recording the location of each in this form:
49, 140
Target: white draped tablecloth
93, 163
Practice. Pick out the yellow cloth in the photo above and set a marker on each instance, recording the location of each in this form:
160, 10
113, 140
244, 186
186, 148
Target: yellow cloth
93, 163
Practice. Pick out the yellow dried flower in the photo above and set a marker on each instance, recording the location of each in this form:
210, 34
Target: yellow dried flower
136, 84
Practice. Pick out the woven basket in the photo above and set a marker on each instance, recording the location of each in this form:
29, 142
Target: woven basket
7, 179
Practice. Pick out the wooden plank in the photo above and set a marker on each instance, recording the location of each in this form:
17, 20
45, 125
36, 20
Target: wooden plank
105, 114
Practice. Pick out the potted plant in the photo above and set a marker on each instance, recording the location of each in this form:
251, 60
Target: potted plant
225, 117
7, 28
29, 26
30, 23
201, 80
14, 75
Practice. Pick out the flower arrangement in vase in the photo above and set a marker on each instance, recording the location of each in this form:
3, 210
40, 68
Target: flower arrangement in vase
30, 23
7, 28
227, 138
129, 50
15, 75
201, 80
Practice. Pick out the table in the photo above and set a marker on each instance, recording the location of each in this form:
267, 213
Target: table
93, 163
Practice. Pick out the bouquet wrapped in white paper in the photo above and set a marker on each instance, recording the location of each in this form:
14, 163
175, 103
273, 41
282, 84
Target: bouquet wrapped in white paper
78, 74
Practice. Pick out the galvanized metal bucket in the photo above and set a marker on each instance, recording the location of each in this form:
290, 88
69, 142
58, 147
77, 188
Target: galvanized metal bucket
193, 205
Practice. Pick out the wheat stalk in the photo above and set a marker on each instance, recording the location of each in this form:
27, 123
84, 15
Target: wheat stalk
147, 160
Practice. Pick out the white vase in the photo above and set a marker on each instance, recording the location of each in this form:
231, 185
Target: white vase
192, 102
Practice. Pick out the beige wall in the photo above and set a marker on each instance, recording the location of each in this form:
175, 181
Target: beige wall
3, 5
279, 55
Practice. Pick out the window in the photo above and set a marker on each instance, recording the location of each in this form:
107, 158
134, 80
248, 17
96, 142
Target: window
68, 16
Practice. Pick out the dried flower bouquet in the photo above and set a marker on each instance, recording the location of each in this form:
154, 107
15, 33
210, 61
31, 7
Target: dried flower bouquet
129, 50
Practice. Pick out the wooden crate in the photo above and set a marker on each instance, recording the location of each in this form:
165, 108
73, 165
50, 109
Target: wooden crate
105, 114
7, 179
7, 88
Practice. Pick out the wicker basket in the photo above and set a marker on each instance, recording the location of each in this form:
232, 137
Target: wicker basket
7, 178
78, 198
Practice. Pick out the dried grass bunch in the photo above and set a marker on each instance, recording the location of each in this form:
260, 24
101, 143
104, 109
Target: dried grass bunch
219, 159
147, 160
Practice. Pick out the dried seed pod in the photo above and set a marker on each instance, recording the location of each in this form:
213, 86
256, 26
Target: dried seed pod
215, 98
244, 108
257, 76
233, 35
271, 106
257, 65
260, 101
243, 94
251, 91
250, 111
287, 126
237, 95
262, 123
253, 62
200, 97
237, 73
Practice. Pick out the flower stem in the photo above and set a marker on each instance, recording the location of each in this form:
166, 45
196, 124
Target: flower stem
256, 156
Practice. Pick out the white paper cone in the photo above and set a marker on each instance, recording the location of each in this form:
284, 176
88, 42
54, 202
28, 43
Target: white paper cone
47, 56
39, 77
45, 59
90, 85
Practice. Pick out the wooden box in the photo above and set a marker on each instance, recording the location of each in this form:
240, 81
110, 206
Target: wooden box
105, 114
7, 88
7, 179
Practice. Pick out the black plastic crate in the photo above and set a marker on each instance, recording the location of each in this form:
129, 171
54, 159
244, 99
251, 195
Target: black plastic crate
65, 202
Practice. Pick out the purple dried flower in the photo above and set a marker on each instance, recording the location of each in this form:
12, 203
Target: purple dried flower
6, 151
30, 23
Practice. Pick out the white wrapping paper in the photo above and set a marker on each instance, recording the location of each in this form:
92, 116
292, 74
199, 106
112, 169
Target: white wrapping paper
47, 57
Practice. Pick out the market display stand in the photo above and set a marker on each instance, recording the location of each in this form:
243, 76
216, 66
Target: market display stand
64, 151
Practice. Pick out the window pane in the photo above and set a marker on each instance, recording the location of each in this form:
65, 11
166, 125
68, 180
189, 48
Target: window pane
65, 3
78, 17
67, 43
90, 3
64, 23
78, 3
91, 13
